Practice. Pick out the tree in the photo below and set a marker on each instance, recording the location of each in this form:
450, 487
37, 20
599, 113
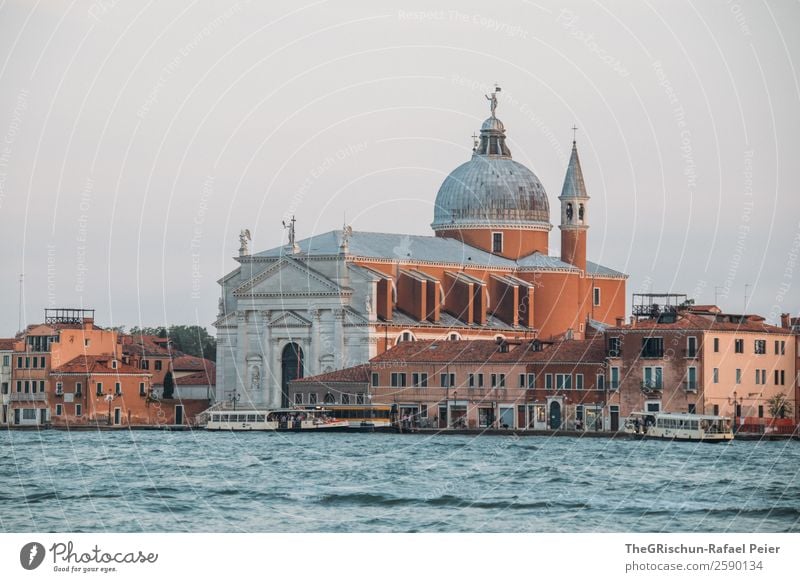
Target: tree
779, 406
169, 386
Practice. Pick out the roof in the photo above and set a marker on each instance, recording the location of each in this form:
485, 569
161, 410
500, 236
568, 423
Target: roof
706, 322
440, 351
354, 374
568, 350
97, 365
145, 345
7, 343
424, 249
186, 363
574, 186
197, 379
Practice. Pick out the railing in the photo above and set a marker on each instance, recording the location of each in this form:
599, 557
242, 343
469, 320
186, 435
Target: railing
29, 397
652, 386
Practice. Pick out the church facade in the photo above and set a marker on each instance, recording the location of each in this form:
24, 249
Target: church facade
339, 298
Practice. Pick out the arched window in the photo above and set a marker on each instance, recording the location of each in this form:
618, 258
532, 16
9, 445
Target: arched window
569, 211
291, 369
405, 336
454, 336
580, 213
330, 398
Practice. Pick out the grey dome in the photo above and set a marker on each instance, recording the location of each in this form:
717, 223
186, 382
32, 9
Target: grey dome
491, 189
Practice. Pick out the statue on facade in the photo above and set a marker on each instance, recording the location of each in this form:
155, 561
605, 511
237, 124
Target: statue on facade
368, 303
220, 308
244, 237
255, 379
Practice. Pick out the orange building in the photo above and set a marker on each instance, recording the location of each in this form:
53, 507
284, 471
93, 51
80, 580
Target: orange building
68, 372
342, 297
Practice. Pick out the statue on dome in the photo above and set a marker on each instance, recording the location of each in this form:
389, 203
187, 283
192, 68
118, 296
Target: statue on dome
493, 99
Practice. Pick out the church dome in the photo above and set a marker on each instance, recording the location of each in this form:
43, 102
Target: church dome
491, 189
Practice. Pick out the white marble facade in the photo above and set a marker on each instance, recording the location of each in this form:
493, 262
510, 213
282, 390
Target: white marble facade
322, 304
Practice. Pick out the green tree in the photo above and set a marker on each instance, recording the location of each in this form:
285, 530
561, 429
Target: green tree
169, 386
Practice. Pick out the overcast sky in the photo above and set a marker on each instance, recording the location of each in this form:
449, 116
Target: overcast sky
138, 138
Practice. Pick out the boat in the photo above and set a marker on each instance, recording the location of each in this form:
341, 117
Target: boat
677, 426
279, 419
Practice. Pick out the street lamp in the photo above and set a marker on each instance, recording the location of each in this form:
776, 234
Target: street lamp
455, 401
234, 398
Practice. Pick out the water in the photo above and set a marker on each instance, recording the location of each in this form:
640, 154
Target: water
263, 482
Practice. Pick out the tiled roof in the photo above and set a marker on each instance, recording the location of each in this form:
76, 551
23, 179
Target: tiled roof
187, 363
440, 351
197, 379
7, 344
695, 321
601, 271
145, 345
96, 365
355, 374
588, 350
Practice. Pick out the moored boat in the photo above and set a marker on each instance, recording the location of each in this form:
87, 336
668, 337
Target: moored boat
679, 427
280, 419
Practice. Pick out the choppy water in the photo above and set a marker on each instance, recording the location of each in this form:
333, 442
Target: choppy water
160, 481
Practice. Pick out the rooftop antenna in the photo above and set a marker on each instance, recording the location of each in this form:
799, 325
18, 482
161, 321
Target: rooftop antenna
19, 317
746, 285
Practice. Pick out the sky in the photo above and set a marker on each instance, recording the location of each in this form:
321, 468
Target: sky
138, 138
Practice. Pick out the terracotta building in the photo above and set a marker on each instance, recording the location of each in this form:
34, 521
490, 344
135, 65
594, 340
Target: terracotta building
70, 372
339, 298
675, 359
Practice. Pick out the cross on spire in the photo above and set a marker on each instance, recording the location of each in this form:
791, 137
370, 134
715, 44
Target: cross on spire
574, 133
474, 141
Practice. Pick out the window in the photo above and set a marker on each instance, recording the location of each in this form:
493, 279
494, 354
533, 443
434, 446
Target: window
783, 348
601, 382
531, 381
738, 346
760, 346
498, 380
117, 388
141, 389
653, 347
471, 380
758, 376
502, 380
59, 388
691, 347
578, 381
497, 242
6, 360
19, 385
480, 380
78, 388
5, 388
691, 379
99, 388
113, 364
783, 377
564, 381
615, 378
312, 398
738, 375
447, 380
614, 346
298, 398
59, 409
27, 362
28, 414
406, 336
398, 379
760, 411
548, 381
27, 386
653, 377
41, 362
597, 295
329, 398
691, 409
716, 344
777, 347
19, 361
415, 379
345, 399
158, 365
715, 376
494, 380
78, 410
423, 380
375, 380
653, 406
35, 362
144, 364
360, 398
522, 380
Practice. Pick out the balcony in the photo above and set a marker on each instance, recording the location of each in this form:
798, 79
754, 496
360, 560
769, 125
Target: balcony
652, 386
29, 397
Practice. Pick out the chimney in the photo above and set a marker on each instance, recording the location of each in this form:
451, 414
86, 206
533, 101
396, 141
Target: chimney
620, 321
87, 322
786, 322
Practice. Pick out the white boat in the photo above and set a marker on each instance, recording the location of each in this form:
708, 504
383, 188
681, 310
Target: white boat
280, 419
679, 426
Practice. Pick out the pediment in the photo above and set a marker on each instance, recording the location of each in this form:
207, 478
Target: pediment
288, 278
289, 319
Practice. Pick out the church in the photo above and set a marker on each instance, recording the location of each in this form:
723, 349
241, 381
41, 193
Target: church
339, 298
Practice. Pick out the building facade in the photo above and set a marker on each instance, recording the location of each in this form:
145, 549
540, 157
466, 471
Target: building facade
337, 299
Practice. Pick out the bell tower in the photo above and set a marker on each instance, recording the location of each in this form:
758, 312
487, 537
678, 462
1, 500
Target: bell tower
574, 213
